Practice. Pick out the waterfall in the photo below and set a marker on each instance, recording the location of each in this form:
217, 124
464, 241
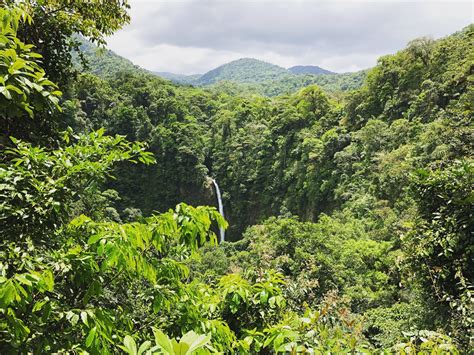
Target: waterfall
221, 208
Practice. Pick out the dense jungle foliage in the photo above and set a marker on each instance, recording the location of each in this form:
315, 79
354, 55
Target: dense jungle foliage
349, 217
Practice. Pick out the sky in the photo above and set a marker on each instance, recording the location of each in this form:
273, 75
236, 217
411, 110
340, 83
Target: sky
194, 36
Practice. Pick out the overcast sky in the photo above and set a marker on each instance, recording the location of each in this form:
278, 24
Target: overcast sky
194, 36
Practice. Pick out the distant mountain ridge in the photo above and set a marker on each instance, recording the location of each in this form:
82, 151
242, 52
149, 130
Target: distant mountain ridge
244, 70
309, 69
245, 75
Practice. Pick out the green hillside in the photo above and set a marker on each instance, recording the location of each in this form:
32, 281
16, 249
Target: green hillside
245, 70
248, 76
102, 61
309, 69
330, 83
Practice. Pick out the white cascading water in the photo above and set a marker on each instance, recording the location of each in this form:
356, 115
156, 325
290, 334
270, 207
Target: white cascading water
221, 208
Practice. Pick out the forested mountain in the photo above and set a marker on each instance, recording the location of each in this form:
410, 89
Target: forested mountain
349, 219
243, 76
309, 69
101, 61
244, 70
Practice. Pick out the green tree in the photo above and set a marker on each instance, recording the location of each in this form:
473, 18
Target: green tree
439, 249
25, 91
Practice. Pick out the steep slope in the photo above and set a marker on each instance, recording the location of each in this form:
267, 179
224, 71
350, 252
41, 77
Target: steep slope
309, 69
245, 70
101, 61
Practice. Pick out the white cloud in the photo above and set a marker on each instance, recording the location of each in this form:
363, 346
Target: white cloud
192, 36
